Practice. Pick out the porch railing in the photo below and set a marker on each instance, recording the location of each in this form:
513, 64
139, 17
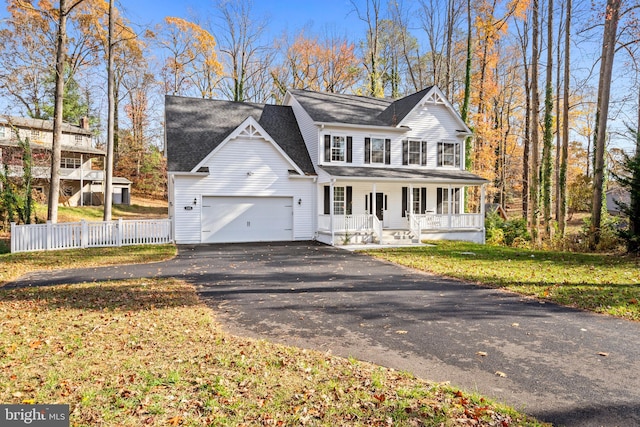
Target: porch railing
448, 222
72, 235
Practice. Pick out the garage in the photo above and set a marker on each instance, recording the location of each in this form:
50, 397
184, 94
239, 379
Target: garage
246, 219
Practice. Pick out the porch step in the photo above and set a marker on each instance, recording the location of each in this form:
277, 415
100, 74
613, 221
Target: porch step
398, 237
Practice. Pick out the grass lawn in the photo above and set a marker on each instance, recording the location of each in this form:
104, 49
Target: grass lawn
13, 266
149, 352
603, 283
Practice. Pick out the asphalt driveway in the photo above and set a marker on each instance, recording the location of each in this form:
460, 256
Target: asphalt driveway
561, 365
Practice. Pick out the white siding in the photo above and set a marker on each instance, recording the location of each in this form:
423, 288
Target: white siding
434, 123
242, 167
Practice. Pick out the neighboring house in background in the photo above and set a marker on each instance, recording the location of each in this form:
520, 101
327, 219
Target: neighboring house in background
335, 168
615, 196
81, 184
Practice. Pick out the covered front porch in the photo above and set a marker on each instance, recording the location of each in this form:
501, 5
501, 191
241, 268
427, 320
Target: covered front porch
388, 210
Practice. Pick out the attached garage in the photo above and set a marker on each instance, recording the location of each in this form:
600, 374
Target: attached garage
246, 219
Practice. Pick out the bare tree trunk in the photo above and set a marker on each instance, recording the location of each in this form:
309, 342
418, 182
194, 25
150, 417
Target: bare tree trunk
535, 105
612, 15
556, 187
56, 146
108, 185
548, 127
467, 90
524, 42
564, 155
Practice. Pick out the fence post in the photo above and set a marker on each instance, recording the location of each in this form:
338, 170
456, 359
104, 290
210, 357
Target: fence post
49, 230
13, 237
119, 235
84, 234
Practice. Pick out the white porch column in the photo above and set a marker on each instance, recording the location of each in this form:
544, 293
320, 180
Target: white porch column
410, 207
81, 179
373, 199
482, 190
331, 185
450, 206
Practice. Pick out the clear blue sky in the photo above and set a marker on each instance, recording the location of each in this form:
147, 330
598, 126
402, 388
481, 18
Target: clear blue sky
290, 15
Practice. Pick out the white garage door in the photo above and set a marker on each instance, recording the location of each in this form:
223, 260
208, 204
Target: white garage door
246, 219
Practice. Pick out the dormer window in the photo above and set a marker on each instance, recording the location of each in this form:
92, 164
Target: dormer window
78, 139
3, 132
377, 150
449, 154
338, 148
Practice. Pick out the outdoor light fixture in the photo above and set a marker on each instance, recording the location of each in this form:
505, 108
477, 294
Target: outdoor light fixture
195, 200
299, 201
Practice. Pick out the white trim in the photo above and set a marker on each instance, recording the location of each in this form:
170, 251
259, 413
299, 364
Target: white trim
373, 128
249, 128
435, 92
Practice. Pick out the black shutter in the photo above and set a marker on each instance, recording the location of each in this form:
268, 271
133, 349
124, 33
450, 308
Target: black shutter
327, 200
349, 149
371, 204
366, 203
439, 201
367, 150
423, 154
404, 201
405, 154
349, 196
423, 200
387, 151
327, 148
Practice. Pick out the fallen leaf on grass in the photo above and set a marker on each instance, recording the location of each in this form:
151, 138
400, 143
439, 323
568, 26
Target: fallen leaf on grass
501, 374
481, 353
401, 332
175, 421
603, 354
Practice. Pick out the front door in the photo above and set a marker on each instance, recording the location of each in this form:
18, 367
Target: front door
380, 199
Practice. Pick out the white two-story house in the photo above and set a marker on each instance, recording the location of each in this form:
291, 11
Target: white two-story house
81, 181
335, 168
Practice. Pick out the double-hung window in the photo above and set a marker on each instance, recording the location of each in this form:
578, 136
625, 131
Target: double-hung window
414, 152
3, 132
443, 200
70, 163
449, 154
342, 200
377, 150
418, 197
337, 148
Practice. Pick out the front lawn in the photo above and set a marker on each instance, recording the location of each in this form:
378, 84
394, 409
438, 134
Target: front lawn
149, 352
13, 266
602, 283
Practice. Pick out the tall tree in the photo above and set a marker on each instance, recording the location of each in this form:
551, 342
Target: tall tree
246, 58
564, 153
56, 148
547, 144
371, 16
612, 16
191, 64
534, 180
111, 105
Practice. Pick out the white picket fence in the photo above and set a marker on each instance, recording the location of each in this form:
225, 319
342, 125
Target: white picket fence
85, 234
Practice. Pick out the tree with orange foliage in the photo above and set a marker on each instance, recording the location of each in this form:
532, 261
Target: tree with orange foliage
191, 63
328, 65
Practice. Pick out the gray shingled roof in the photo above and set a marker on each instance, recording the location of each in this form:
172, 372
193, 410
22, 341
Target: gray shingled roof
40, 124
399, 109
339, 108
194, 127
352, 109
433, 175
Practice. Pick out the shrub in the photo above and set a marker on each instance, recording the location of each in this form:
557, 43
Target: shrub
510, 232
